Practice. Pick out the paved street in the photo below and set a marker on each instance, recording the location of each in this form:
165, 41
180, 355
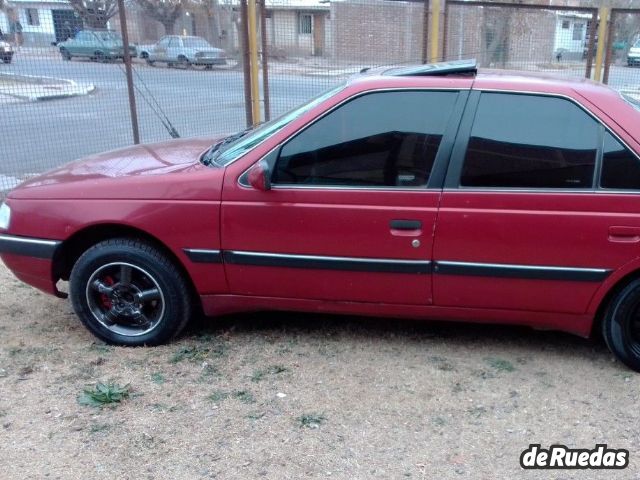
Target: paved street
40, 135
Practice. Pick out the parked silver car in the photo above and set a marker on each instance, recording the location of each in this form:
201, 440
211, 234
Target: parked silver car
183, 51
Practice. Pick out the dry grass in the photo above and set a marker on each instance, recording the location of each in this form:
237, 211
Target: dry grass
302, 396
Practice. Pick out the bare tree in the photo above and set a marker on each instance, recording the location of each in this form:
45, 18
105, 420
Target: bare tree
95, 13
166, 12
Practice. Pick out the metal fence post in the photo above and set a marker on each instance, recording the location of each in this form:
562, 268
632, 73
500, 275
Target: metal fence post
434, 31
246, 63
265, 64
425, 32
127, 64
592, 42
602, 39
253, 61
608, 54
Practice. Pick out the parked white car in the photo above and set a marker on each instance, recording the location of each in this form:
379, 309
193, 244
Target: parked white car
183, 51
633, 57
6, 52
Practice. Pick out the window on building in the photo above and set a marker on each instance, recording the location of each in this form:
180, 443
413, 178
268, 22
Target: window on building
620, 167
33, 18
385, 139
304, 23
529, 141
565, 24
578, 31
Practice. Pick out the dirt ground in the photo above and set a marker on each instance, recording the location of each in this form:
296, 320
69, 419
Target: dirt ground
299, 396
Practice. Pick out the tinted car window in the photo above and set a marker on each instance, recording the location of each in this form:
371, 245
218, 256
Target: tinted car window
379, 139
527, 141
620, 167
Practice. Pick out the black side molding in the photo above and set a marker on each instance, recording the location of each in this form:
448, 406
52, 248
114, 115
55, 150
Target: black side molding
29, 247
197, 255
522, 271
327, 263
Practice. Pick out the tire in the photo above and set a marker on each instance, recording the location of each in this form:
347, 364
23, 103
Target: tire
184, 62
100, 57
7, 59
66, 56
621, 325
127, 292
150, 62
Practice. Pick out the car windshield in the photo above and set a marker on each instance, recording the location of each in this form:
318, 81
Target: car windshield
108, 36
223, 154
195, 42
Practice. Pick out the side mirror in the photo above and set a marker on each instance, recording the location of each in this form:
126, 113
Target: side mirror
259, 176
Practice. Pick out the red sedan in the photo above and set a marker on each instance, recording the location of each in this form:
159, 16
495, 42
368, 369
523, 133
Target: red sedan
431, 192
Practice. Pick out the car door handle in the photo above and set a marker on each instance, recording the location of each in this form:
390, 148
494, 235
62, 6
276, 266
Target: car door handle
405, 225
624, 234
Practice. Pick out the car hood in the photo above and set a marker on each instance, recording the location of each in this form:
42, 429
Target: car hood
163, 170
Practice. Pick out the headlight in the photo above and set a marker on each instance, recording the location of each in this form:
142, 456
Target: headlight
5, 216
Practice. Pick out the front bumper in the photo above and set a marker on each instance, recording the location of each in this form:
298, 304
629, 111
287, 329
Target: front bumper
27, 246
31, 260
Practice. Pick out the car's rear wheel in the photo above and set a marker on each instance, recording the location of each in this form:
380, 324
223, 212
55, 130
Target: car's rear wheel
621, 325
127, 292
6, 59
65, 54
100, 57
184, 62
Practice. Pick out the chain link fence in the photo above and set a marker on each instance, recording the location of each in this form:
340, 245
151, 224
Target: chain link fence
64, 92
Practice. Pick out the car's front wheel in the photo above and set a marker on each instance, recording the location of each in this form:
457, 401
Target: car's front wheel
127, 292
621, 325
65, 54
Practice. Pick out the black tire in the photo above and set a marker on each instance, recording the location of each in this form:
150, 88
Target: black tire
100, 57
150, 62
184, 62
65, 54
149, 305
621, 325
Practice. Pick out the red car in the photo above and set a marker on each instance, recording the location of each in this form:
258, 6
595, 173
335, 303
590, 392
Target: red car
431, 192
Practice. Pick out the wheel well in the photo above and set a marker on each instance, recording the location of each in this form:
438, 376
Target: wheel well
613, 291
71, 249
144, 55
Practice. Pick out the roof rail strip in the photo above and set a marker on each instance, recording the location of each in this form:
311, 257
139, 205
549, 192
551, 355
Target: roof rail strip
462, 67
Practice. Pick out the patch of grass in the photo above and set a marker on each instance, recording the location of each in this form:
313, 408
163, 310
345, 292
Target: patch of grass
218, 396
158, 378
104, 394
259, 375
500, 364
439, 421
255, 415
99, 427
442, 363
207, 372
311, 420
101, 348
198, 353
244, 396
477, 412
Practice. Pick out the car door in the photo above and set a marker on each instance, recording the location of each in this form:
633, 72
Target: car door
521, 224
160, 49
78, 45
173, 49
353, 203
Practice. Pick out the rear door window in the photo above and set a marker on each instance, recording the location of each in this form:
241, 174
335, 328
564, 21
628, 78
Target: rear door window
530, 141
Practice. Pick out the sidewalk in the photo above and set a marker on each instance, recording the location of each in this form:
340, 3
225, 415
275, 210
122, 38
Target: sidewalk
33, 89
